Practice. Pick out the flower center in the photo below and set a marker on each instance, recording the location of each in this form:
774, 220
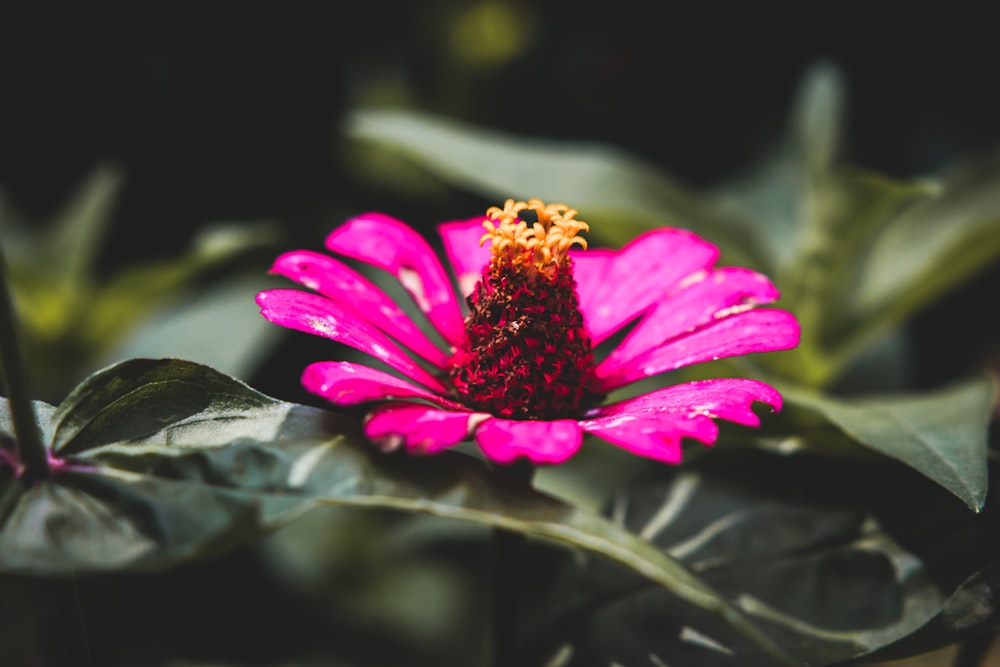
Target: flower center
527, 354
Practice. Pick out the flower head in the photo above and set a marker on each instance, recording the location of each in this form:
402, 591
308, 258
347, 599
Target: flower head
520, 373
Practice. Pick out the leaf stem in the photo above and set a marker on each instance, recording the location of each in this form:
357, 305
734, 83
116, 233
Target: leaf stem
31, 451
507, 552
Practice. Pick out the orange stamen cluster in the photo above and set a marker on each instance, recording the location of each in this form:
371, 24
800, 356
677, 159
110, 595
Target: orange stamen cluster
542, 243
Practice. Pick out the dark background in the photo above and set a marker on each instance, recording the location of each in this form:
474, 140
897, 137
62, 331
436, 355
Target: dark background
231, 111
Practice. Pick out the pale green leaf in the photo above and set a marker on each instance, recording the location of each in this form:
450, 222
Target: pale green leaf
930, 247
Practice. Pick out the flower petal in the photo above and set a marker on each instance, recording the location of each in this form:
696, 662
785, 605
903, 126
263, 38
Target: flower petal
653, 424
315, 314
337, 281
346, 383
420, 429
467, 256
709, 296
616, 286
390, 244
504, 440
761, 330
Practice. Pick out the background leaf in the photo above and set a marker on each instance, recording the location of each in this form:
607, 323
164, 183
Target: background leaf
618, 194
930, 247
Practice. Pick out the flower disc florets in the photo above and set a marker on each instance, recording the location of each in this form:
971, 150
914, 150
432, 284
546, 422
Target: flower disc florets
527, 353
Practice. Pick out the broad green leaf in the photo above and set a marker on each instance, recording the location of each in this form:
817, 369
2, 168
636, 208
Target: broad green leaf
164, 460
941, 434
618, 194
206, 481
813, 550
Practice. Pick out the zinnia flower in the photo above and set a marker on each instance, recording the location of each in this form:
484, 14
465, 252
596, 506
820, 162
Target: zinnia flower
519, 372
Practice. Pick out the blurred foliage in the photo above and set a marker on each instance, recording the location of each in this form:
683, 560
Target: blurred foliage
76, 316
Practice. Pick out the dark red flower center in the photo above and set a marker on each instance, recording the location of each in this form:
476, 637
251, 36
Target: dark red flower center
527, 353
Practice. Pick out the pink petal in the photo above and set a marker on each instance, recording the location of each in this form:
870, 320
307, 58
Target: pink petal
653, 424
392, 245
467, 257
315, 314
340, 282
346, 383
616, 286
421, 429
504, 440
761, 330
709, 296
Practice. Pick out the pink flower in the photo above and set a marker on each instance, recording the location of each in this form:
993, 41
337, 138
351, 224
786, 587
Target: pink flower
519, 371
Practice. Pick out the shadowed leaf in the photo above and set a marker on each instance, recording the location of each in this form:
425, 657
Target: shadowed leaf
941, 434
167, 460
829, 576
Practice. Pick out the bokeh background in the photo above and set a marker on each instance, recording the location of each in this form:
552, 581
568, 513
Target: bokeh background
224, 111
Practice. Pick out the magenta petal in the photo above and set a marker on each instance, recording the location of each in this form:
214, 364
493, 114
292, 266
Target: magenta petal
653, 424
657, 438
346, 383
421, 429
709, 296
761, 330
315, 314
390, 244
504, 441
467, 256
615, 287
340, 282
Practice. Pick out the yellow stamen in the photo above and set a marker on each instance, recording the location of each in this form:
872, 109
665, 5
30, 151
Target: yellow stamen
544, 243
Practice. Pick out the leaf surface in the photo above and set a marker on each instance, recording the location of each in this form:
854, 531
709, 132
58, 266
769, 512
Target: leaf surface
941, 434
164, 460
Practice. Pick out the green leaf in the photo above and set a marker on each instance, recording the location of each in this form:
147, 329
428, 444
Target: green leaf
831, 569
157, 461
618, 194
969, 611
162, 460
941, 434
930, 247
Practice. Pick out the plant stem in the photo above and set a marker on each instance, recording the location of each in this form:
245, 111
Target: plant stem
506, 564
30, 449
